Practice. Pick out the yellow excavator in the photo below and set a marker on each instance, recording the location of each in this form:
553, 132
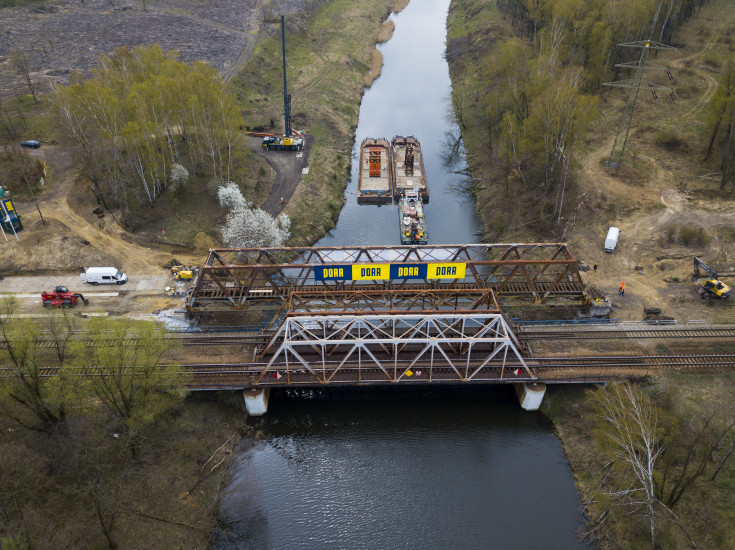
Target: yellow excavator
712, 287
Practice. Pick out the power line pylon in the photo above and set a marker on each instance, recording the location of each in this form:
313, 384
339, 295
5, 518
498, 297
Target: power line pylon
635, 84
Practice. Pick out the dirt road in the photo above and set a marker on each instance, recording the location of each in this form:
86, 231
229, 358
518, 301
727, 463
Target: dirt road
288, 166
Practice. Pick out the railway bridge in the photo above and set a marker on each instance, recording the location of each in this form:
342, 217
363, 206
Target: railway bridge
398, 314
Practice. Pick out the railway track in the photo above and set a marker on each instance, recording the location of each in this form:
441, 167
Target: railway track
623, 331
593, 332
550, 370
545, 369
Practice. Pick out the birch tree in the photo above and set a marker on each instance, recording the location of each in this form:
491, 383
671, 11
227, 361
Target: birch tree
19, 61
143, 113
628, 431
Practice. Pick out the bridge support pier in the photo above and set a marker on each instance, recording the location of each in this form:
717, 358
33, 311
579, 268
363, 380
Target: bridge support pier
256, 400
530, 395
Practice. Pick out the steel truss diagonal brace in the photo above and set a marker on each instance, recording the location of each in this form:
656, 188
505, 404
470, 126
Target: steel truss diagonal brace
438, 346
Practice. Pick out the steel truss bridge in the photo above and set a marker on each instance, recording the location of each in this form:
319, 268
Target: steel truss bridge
235, 278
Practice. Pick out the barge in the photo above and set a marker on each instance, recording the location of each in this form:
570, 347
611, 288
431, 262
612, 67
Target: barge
374, 180
411, 219
408, 167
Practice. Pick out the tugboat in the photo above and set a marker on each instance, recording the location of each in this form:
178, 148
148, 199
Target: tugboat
408, 167
411, 218
374, 181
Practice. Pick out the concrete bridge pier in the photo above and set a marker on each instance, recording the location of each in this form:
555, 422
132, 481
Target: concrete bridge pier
530, 395
256, 400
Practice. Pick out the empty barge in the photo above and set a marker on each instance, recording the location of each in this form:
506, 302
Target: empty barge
374, 180
408, 167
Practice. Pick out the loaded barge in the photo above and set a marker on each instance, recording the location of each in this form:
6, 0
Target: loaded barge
411, 218
408, 167
374, 181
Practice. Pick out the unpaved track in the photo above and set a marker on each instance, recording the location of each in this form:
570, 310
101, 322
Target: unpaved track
109, 238
288, 167
642, 231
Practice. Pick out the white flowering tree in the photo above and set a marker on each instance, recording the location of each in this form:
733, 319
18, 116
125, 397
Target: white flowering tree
179, 177
248, 227
230, 196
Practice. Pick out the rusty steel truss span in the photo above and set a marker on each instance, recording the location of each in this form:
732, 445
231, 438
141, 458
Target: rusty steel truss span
378, 348
370, 300
535, 272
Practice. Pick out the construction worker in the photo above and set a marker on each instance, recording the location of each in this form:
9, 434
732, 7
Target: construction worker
282, 200
594, 267
621, 292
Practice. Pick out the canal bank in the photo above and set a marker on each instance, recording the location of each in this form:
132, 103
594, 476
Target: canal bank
438, 467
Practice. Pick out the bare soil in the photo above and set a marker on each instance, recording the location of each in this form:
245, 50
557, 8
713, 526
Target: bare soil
658, 190
73, 236
71, 35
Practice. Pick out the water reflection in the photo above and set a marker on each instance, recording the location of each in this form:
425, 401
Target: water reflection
418, 467
411, 97
402, 468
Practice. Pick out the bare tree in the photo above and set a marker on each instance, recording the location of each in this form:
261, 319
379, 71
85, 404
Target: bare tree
19, 61
629, 431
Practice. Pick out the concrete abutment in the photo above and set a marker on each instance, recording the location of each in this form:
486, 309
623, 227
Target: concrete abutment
256, 400
530, 395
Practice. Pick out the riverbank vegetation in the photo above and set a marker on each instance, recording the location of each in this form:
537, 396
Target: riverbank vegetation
108, 452
329, 50
527, 81
662, 454
539, 173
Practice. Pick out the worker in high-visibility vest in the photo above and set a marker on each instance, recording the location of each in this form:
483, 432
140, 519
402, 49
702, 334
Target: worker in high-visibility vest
621, 292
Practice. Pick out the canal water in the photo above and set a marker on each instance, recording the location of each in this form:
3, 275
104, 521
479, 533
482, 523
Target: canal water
384, 468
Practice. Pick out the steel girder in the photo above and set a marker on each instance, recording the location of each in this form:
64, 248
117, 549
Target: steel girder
379, 348
369, 300
232, 277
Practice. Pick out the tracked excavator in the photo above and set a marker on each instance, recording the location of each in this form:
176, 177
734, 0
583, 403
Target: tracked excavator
712, 287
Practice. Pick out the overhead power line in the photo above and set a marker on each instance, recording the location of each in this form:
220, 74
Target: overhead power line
634, 85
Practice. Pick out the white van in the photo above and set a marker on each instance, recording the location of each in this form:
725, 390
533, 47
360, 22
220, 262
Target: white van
103, 276
611, 241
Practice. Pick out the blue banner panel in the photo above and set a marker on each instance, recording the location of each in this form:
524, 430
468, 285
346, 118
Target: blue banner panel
408, 271
9, 210
333, 272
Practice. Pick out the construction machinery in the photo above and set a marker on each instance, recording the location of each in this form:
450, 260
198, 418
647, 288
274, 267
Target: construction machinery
291, 140
712, 287
184, 273
62, 297
283, 143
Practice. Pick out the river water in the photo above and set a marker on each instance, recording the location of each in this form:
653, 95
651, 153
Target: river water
384, 468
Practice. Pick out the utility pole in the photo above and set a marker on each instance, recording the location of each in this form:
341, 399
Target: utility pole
286, 95
634, 85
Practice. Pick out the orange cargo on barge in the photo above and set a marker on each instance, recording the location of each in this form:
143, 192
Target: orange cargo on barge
374, 180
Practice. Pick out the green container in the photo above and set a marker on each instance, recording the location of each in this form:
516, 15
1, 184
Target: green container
15, 223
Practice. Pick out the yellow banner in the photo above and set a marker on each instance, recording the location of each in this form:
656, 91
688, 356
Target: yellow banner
446, 271
370, 272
